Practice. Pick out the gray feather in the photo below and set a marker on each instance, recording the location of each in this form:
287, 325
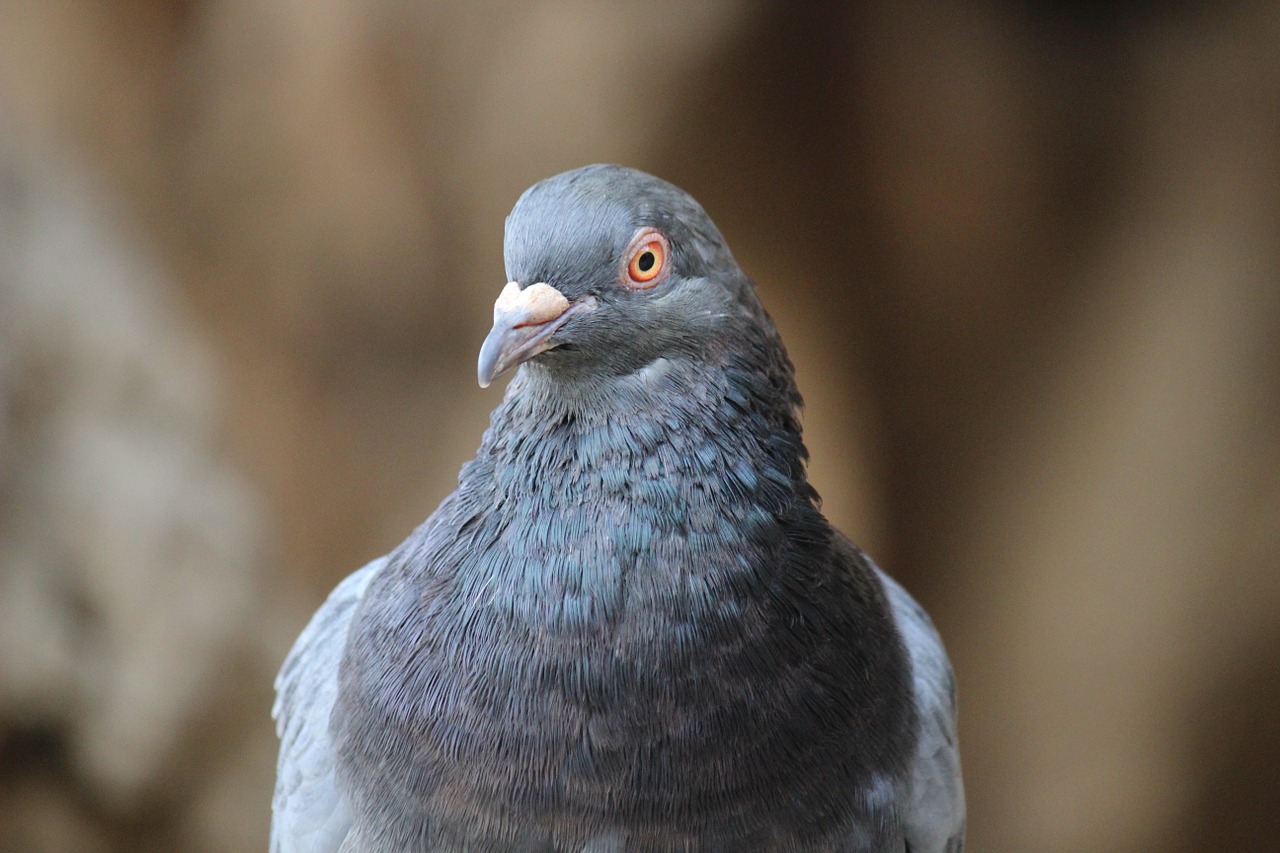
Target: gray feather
934, 815
310, 814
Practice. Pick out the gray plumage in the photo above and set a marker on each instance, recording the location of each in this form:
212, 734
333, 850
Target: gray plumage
629, 628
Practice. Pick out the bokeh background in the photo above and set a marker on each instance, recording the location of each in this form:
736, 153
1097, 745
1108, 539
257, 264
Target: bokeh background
1026, 256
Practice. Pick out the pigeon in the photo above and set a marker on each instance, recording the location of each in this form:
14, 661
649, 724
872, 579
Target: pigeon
630, 627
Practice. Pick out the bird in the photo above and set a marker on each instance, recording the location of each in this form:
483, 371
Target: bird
630, 627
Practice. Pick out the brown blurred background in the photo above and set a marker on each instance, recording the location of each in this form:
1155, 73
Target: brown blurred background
1026, 257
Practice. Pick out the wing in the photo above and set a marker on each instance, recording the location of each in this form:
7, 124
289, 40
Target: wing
310, 814
934, 816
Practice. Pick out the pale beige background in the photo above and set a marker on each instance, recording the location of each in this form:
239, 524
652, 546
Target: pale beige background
1026, 256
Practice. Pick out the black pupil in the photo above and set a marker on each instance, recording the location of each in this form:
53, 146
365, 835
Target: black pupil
646, 261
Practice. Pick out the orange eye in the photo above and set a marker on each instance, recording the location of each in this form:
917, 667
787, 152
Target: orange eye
647, 258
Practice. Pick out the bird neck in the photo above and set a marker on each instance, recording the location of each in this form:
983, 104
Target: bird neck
673, 421
677, 477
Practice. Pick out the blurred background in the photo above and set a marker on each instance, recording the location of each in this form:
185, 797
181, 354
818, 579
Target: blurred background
1026, 256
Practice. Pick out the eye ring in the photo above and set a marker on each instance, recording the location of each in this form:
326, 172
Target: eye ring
648, 257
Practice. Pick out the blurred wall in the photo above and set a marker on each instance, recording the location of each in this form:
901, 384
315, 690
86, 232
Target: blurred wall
1026, 257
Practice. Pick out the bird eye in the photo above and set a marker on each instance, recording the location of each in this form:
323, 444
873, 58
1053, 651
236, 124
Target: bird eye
647, 258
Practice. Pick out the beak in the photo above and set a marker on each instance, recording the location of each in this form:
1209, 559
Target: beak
523, 323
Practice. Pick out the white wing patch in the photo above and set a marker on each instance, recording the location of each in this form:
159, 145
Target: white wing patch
935, 815
310, 814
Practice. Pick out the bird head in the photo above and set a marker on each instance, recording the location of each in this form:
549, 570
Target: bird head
610, 269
